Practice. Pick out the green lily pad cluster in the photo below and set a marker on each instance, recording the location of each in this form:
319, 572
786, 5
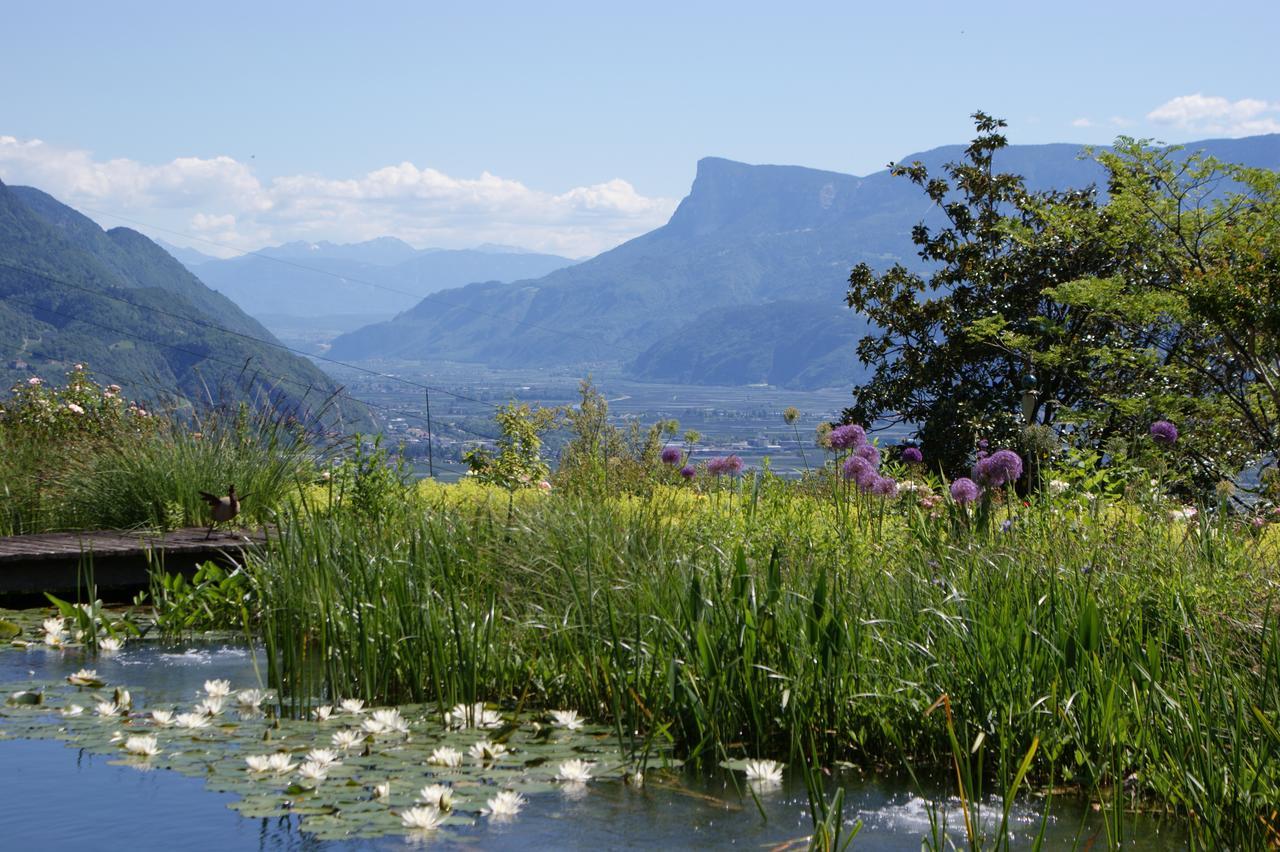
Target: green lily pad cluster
350, 773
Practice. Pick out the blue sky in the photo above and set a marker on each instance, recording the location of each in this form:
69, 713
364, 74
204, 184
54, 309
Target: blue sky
567, 126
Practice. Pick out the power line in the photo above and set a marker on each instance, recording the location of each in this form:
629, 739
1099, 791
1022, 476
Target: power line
64, 282
350, 279
207, 357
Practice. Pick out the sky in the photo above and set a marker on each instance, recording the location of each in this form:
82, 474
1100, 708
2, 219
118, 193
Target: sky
568, 127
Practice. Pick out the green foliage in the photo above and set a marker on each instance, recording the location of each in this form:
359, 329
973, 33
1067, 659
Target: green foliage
518, 462
213, 599
369, 482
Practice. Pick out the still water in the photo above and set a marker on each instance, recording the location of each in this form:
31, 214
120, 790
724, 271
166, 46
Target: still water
55, 797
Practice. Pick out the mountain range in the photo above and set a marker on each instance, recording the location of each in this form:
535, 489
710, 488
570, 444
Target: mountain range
743, 284
377, 278
71, 292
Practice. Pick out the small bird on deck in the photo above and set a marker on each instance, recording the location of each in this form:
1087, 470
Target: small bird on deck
222, 508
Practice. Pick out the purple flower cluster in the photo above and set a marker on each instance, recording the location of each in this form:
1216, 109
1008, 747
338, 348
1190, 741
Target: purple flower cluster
1003, 467
1164, 432
860, 471
870, 453
848, 437
725, 465
671, 455
912, 455
964, 490
688, 471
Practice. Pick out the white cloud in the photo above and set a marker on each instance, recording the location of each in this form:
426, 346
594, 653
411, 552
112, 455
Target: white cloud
221, 200
1211, 114
1082, 122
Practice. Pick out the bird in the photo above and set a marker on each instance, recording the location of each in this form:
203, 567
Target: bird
223, 508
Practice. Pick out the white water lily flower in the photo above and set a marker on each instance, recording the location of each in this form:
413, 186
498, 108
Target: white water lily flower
211, 706
72, 710
485, 751
110, 645
505, 805
191, 720
107, 708
391, 721
258, 762
322, 713
445, 756
146, 746
280, 763
764, 771
162, 717
352, 705
346, 739
313, 770
381, 791
439, 796
85, 677
568, 719
251, 697
423, 819
217, 688
117, 737
123, 698
323, 756
575, 771
53, 630
473, 716
373, 727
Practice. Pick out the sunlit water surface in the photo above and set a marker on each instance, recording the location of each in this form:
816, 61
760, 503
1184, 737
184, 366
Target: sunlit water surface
56, 797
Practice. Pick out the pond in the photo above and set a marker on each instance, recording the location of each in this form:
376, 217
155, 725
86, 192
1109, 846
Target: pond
64, 783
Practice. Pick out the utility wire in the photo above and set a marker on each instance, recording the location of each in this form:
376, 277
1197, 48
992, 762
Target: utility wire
346, 279
214, 326
339, 394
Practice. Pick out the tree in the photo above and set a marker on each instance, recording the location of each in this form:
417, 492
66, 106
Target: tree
951, 352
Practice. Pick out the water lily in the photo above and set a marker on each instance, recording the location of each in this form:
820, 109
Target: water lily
110, 644
217, 688
145, 745
322, 713
54, 631
568, 719
258, 762
445, 756
346, 739
85, 677
472, 716
251, 698
72, 710
116, 737
352, 705
323, 756
391, 721
313, 770
423, 819
382, 791
574, 771
162, 717
505, 805
191, 721
211, 706
280, 763
485, 751
439, 796
123, 699
764, 772
107, 708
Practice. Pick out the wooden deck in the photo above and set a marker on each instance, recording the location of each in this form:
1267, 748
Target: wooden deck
119, 562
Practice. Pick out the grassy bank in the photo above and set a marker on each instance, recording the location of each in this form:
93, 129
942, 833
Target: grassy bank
1116, 650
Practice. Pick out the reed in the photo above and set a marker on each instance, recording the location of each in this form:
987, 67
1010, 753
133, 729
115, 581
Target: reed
1105, 649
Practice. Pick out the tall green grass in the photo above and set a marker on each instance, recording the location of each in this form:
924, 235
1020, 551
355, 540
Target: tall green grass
1108, 650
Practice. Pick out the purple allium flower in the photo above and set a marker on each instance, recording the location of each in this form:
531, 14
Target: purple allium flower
847, 437
855, 467
982, 445
885, 486
688, 471
1164, 432
722, 465
671, 455
1000, 468
870, 453
963, 490
912, 455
